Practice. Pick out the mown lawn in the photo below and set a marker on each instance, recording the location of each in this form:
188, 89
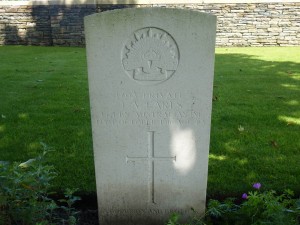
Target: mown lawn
255, 122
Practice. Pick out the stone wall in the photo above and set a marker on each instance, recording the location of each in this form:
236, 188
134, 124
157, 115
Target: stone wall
239, 24
43, 25
262, 24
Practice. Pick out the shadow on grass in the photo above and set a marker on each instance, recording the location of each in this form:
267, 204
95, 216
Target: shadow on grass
255, 134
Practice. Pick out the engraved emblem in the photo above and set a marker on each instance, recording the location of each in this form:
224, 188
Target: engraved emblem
150, 56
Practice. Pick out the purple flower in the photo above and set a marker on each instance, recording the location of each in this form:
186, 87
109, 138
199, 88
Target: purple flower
244, 196
257, 185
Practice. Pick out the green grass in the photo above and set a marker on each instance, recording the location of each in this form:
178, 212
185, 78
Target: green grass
255, 122
259, 90
44, 98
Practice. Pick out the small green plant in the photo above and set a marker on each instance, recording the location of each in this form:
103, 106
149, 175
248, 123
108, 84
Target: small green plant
25, 190
268, 208
197, 219
70, 212
174, 219
257, 208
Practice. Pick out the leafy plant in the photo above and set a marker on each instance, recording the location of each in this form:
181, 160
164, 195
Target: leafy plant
269, 208
25, 190
70, 200
174, 219
258, 208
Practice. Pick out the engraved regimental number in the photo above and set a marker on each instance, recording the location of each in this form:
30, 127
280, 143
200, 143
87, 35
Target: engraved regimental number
150, 158
150, 56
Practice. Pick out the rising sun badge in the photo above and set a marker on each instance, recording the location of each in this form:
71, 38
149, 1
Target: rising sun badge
150, 56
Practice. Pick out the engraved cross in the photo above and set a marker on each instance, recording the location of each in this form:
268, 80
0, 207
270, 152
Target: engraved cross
151, 158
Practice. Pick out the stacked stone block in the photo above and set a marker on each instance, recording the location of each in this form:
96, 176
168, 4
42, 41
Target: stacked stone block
259, 24
67, 24
242, 24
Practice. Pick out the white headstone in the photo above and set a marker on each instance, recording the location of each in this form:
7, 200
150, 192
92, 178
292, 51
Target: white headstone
150, 79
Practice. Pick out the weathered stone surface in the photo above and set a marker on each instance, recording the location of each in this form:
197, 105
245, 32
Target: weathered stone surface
150, 79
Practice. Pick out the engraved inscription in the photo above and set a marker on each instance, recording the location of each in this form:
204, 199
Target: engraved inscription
150, 56
146, 211
151, 159
150, 108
